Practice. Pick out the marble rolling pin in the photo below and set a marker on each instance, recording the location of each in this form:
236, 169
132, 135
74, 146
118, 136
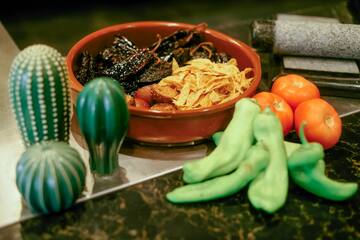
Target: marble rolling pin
334, 40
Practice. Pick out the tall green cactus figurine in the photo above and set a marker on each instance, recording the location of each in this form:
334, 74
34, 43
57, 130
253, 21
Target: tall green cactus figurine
40, 94
50, 176
103, 119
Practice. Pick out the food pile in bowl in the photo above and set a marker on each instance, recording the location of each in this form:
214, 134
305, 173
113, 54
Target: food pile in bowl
182, 81
180, 71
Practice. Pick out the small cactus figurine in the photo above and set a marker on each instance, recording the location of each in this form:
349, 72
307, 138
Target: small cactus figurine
40, 95
50, 176
103, 119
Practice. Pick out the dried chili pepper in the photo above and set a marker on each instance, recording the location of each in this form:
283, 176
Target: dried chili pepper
86, 69
120, 49
123, 71
179, 39
154, 72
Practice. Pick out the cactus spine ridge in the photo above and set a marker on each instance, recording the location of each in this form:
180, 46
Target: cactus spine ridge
40, 94
103, 117
50, 176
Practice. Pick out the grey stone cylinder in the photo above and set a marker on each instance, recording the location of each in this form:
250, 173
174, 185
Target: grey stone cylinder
316, 39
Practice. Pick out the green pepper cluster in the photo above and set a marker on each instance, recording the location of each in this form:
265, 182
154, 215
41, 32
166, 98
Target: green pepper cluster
252, 151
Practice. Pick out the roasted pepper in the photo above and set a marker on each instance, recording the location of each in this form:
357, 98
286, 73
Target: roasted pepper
235, 142
255, 161
269, 190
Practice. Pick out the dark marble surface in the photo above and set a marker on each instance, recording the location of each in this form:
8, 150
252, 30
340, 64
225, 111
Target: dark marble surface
141, 211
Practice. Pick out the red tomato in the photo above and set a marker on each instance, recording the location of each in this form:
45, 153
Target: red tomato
295, 89
144, 93
323, 124
279, 107
140, 103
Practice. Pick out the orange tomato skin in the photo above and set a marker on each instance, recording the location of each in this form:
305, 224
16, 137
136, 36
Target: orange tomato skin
279, 106
295, 89
323, 124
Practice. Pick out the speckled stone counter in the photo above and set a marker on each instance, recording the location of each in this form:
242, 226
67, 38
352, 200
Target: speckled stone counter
141, 211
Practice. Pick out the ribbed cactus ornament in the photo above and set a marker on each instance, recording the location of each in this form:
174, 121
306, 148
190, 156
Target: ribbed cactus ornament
50, 176
40, 94
103, 119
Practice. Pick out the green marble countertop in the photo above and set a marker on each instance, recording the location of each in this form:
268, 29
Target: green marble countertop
141, 211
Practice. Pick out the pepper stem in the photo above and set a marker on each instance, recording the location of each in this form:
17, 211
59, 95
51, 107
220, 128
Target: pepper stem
302, 133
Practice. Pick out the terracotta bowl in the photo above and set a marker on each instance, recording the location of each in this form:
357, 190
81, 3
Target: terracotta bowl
169, 127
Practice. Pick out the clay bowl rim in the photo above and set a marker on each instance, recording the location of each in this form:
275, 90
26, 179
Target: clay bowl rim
251, 54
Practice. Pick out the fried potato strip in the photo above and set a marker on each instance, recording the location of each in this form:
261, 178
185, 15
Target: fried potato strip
202, 83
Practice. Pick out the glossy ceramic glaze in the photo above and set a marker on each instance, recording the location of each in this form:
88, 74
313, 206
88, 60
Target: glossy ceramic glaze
40, 95
103, 118
50, 176
169, 127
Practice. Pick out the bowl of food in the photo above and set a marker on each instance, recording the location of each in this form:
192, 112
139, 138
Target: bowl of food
182, 81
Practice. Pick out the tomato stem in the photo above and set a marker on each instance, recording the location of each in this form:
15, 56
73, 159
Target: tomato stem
278, 105
329, 121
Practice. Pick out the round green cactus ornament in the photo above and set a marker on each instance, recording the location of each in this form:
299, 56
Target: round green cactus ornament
50, 176
103, 118
40, 94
